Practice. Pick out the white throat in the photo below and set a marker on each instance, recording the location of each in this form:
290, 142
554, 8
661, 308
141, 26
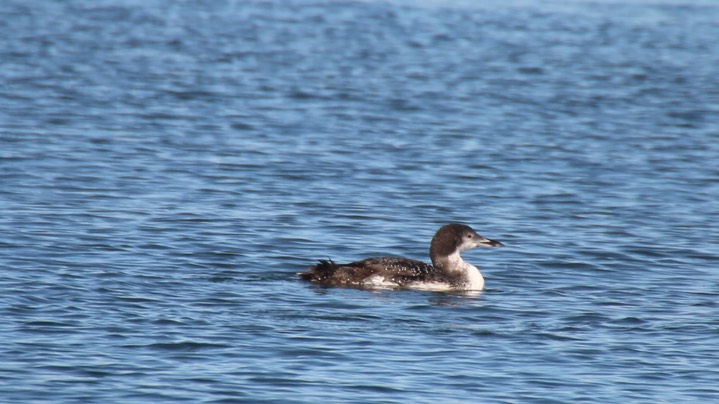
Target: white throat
475, 280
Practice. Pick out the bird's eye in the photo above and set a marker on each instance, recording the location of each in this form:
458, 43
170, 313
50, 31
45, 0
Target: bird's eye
469, 236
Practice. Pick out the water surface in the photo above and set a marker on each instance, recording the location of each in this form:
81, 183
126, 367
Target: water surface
167, 168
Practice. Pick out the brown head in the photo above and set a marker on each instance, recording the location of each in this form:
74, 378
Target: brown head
454, 238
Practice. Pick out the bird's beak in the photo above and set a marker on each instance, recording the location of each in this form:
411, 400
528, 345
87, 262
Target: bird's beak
485, 242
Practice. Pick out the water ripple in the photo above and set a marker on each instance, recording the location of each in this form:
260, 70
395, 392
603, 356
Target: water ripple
166, 170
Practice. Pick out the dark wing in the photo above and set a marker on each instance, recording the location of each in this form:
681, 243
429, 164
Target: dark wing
399, 270
327, 272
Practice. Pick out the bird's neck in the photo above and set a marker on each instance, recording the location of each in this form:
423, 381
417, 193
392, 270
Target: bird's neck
455, 266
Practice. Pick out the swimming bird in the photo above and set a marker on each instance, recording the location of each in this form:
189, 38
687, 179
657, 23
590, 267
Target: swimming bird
447, 272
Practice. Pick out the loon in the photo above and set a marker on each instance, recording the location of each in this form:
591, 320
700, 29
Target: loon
447, 272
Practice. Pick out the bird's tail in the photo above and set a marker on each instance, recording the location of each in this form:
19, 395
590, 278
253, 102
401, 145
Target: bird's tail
322, 270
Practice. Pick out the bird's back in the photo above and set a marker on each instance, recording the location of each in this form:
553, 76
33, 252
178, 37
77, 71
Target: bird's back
390, 270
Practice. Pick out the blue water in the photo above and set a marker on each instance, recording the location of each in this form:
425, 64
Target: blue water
167, 167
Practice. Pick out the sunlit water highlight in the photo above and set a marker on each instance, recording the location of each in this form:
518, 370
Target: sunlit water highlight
167, 167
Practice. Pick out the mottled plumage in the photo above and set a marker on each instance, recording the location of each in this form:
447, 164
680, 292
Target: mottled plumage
448, 270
